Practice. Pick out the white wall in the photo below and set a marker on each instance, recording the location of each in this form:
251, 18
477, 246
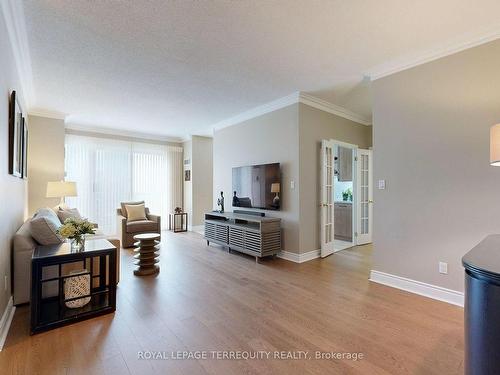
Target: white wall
46, 159
431, 144
13, 190
270, 138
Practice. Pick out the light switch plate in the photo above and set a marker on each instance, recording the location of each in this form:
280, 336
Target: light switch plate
443, 268
292, 184
381, 184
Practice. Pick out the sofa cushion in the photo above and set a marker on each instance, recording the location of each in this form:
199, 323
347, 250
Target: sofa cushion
67, 213
44, 226
23, 241
123, 204
141, 226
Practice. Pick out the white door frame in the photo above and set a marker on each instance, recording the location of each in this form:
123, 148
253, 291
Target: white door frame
327, 198
354, 187
364, 238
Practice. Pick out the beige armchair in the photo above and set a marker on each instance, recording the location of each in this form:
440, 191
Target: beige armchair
128, 229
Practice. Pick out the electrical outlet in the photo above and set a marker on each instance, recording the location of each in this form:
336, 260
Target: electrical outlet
443, 268
381, 184
5, 283
292, 184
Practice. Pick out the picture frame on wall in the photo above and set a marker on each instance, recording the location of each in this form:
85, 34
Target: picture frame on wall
15, 136
25, 149
187, 175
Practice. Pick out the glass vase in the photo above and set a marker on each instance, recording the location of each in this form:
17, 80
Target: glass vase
78, 243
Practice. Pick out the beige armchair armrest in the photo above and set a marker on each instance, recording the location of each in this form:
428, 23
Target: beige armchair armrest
155, 218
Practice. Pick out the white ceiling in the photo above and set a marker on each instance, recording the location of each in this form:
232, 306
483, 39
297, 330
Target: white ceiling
175, 68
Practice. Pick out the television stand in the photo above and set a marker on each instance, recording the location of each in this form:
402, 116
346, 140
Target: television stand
254, 235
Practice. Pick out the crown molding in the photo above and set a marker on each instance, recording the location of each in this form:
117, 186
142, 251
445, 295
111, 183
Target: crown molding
337, 110
13, 15
81, 128
258, 111
296, 97
464, 43
47, 113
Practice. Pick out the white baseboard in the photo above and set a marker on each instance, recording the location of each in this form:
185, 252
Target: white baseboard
5, 322
299, 258
198, 229
418, 287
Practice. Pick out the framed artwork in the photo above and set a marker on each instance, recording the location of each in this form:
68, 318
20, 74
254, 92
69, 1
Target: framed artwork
15, 137
187, 175
25, 149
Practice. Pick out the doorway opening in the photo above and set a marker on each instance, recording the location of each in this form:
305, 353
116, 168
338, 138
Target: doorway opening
346, 193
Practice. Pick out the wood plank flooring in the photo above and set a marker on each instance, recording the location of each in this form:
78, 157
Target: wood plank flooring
206, 299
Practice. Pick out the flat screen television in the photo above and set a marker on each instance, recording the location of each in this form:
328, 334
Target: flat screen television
257, 186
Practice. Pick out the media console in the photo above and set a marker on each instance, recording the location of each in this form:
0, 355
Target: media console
250, 234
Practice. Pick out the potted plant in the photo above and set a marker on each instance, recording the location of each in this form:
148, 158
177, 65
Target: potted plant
76, 229
347, 195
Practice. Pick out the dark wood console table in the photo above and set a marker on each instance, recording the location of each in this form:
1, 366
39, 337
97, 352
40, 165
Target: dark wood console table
250, 234
98, 259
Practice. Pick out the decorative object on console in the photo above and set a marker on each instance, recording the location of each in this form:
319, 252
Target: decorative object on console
75, 230
220, 202
275, 188
178, 210
15, 136
77, 286
61, 189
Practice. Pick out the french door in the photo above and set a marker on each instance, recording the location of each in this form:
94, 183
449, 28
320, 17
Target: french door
365, 197
327, 197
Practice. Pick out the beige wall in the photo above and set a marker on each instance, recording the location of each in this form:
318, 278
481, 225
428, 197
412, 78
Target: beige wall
431, 144
272, 137
314, 126
46, 160
202, 178
13, 190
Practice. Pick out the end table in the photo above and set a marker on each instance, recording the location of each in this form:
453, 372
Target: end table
178, 222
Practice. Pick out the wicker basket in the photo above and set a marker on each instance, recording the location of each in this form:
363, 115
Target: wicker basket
76, 286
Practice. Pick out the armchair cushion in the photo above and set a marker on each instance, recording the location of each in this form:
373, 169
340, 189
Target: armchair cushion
141, 226
124, 209
136, 212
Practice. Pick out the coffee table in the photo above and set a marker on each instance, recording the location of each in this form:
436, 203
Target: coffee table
147, 252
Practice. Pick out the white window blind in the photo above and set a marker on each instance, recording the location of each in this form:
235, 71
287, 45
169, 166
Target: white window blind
109, 171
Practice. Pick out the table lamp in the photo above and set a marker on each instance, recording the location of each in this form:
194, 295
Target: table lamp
61, 189
275, 188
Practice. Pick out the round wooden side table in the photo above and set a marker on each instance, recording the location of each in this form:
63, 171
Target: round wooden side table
147, 252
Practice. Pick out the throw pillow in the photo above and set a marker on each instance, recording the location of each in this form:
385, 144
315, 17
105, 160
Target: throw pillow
136, 212
44, 226
66, 213
124, 209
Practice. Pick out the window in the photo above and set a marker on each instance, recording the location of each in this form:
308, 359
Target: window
109, 171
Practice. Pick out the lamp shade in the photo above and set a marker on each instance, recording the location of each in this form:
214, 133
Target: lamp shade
495, 145
275, 188
59, 189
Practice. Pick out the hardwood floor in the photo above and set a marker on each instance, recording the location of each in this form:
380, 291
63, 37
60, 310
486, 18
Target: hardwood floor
206, 299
